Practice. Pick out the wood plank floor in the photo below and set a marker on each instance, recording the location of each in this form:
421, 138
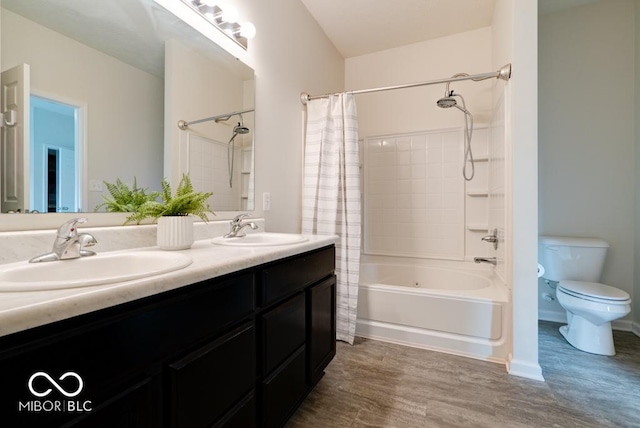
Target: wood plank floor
376, 384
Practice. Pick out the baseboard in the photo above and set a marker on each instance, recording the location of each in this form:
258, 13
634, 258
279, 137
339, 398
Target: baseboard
622, 325
525, 369
553, 316
635, 328
561, 317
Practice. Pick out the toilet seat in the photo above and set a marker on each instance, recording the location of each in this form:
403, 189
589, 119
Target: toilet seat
595, 292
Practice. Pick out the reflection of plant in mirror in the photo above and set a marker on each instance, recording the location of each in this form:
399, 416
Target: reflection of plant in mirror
186, 201
125, 199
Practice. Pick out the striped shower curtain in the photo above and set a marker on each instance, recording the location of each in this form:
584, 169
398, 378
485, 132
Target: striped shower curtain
331, 195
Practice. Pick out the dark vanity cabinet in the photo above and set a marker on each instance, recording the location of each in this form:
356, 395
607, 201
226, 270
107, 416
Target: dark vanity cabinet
241, 350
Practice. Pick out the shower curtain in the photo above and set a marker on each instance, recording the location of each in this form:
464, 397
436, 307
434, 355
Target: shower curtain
331, 196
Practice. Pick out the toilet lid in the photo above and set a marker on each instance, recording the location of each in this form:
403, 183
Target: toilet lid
593, 290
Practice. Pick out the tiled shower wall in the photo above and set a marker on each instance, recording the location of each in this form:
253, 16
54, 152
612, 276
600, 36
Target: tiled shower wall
416, 202
208, 170
497, 182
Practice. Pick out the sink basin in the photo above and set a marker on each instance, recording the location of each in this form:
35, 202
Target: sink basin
86, 271
261, 240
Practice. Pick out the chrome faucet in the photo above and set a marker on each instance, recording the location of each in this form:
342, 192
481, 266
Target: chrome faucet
237, 224
491, 260
69, 244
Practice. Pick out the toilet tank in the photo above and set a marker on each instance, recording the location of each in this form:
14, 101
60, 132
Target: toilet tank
578, 259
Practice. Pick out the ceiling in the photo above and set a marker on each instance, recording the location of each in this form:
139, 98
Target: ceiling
359, 27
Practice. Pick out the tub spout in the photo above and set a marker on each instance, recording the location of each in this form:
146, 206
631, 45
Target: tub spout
491, 260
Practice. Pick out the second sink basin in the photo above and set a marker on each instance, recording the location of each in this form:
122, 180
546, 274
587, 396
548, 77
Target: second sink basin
86, 271
261, 239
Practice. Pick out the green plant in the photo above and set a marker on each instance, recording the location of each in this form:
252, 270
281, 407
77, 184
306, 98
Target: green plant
125, 199
185, 201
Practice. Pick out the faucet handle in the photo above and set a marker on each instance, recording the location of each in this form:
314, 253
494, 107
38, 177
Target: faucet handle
237, 219
69, 229
493, 238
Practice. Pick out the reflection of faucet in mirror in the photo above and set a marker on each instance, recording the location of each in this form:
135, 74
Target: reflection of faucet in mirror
237, 225
69, 243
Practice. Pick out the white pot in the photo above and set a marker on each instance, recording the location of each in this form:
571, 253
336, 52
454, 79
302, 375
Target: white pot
175, 232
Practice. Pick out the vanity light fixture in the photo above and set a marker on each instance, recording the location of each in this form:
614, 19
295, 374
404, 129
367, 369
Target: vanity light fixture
225, 17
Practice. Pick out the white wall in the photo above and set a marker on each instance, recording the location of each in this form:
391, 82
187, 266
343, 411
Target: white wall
414, 109
291, 55
636, 290
515, 41
587, 141
122, 141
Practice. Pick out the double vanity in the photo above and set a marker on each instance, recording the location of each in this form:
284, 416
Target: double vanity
236, 335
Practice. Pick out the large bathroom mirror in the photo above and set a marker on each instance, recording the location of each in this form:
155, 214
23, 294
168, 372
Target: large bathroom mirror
93, 91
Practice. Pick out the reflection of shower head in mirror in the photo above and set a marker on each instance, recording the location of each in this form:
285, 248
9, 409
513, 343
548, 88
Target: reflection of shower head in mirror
239, 129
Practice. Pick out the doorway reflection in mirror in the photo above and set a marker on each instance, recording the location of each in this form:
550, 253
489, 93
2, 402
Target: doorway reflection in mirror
54, 183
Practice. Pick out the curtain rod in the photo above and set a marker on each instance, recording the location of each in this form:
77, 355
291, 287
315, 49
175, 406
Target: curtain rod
182, 124
504, 73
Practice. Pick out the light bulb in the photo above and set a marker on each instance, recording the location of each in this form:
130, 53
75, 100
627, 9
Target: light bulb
230, 14
248, 30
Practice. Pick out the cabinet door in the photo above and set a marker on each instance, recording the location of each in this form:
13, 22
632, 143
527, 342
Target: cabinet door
283, 331
205, 384
321, 313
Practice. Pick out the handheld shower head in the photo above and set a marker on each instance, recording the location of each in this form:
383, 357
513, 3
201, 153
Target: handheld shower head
450, 101
447, 102
240, 129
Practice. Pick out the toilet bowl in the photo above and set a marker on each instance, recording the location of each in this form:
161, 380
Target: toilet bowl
575, 265
590, 309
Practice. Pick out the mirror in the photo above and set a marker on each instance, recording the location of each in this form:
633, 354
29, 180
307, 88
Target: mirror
105, 84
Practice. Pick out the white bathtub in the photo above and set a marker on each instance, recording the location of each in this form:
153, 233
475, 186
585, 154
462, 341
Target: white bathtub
454, 307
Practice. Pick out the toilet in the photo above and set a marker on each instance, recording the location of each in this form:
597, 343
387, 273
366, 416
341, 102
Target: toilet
576, 265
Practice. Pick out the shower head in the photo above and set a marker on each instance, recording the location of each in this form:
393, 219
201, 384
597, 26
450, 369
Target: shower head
240, 129
447, 102
450, 101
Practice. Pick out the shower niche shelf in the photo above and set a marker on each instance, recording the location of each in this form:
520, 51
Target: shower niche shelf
478, 192
477, 227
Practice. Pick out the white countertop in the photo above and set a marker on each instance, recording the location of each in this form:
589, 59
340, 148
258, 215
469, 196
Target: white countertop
27, 309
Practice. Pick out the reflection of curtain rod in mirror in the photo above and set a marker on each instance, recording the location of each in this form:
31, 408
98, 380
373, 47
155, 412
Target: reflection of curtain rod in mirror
182, 124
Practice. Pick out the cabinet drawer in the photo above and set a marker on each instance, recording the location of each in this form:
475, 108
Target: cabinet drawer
135, 407
243, 414
283, 331
209, 381
283, 279
284, 389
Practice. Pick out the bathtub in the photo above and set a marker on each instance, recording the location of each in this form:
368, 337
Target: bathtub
454, 307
